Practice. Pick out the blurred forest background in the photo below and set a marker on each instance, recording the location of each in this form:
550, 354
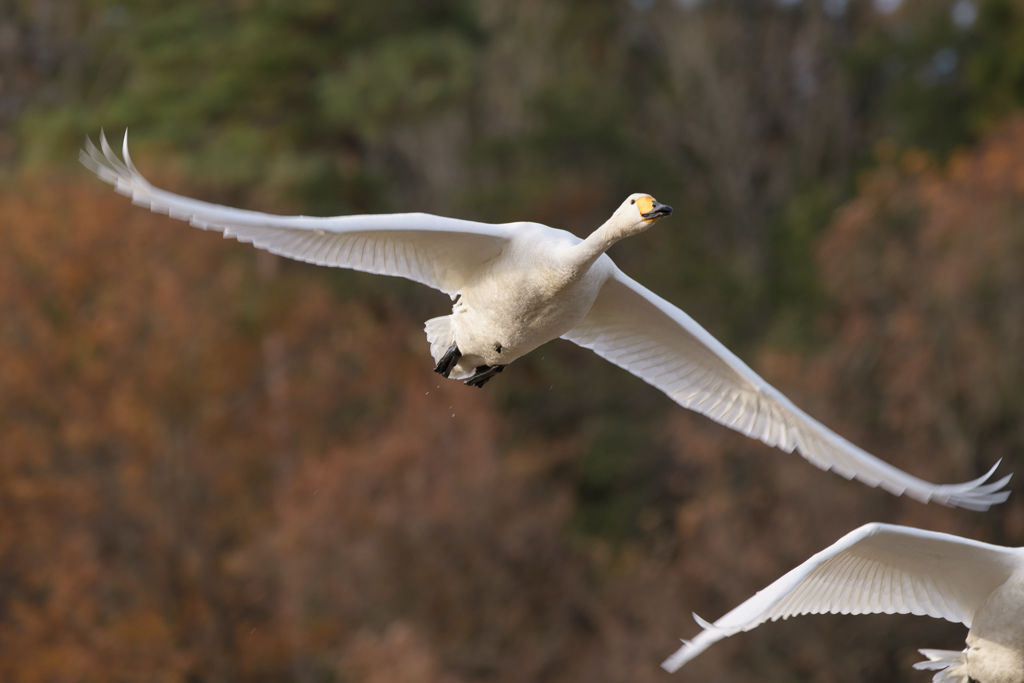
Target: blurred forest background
219, 466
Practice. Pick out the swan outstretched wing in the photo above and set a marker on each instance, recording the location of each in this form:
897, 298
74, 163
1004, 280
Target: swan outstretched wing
639, 331
433, 250
878, 568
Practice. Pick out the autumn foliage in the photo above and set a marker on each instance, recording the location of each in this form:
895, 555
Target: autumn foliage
219, 467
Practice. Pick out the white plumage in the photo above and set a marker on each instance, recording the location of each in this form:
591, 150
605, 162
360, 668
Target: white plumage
519, 285
882, 568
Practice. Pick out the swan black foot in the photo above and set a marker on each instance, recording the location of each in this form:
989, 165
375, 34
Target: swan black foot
448, 360
483, 374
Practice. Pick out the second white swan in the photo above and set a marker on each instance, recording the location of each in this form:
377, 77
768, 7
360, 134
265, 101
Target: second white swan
890, 569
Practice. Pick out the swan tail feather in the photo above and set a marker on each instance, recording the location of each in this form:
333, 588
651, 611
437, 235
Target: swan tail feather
440, 335
950, 664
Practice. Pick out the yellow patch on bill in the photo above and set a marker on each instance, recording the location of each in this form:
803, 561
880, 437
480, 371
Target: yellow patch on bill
645, 204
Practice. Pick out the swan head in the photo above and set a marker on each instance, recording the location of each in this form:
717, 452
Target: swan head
639, 212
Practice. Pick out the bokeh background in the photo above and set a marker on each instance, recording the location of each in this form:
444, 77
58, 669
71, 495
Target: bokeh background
217, 466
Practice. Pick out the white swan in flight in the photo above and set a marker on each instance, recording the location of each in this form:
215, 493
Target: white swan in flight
884, 568
519, 285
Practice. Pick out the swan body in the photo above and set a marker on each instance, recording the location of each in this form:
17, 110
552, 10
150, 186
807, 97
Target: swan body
883, 568
536, 290
519, 285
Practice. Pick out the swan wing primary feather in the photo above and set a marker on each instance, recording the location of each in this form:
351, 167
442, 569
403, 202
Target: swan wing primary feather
878, 568
639, 331
436, 251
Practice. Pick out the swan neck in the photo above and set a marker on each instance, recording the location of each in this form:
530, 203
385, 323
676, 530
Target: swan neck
599, 241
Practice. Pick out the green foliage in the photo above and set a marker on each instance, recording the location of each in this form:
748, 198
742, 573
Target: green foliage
256, 96
931, 84
995, 70
794, 283
620, 480
400, 78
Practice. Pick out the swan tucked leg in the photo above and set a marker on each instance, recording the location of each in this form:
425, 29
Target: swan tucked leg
483, 374
447, 362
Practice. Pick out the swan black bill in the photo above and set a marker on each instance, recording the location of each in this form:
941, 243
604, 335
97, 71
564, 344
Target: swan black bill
658, 210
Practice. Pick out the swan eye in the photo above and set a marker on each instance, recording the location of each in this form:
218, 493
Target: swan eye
632, 201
